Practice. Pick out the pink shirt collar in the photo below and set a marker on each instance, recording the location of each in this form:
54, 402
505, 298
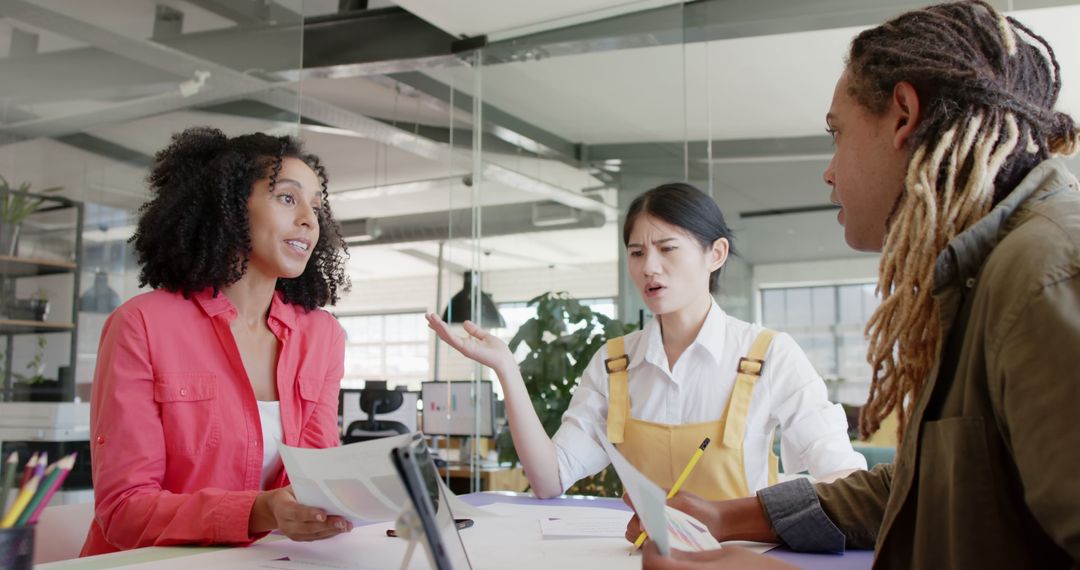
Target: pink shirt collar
214, 305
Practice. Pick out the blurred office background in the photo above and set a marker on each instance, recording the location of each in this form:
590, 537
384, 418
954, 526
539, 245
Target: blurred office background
483, 138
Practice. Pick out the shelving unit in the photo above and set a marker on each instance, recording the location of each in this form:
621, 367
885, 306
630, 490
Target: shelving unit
56, 215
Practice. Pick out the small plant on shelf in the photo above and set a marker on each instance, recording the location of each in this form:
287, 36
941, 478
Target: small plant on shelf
15, 205
35, 367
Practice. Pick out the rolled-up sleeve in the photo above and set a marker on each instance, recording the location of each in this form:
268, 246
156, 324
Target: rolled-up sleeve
798, 519
577, 444
813, 430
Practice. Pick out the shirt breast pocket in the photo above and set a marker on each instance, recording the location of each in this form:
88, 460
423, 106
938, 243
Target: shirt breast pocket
189, 412
310, 394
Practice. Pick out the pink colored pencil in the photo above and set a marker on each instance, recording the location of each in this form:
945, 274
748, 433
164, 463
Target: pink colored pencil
65, 465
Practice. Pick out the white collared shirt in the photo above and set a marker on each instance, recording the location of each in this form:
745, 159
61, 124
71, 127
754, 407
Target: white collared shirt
789, 394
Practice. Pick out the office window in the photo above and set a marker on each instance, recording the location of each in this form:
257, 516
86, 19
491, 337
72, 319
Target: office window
828, 324
391, 347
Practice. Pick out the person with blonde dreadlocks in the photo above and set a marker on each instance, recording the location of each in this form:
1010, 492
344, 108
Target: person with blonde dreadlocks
946, 143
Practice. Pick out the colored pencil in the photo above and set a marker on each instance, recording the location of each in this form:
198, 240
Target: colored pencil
41, 500
21, 501
10, 467
28, 471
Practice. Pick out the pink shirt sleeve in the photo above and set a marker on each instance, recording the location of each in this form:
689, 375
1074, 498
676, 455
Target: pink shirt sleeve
128, 456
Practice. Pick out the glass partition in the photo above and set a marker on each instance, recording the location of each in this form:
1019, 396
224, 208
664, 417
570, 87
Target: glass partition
101, 87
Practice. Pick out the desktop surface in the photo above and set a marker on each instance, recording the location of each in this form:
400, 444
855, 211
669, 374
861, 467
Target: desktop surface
386, 554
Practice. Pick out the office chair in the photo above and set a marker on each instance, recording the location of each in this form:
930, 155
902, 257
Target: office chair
375, 401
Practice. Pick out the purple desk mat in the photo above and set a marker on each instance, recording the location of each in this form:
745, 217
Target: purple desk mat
850, 560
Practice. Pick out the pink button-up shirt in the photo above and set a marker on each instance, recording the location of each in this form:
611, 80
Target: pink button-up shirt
176, 443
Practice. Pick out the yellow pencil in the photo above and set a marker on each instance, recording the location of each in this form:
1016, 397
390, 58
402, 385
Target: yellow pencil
678, 483
21, 501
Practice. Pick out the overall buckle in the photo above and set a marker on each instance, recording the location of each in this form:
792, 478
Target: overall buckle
751, 366
608, 362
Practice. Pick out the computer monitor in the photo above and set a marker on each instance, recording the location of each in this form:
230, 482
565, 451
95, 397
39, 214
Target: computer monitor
351, 411
451, 408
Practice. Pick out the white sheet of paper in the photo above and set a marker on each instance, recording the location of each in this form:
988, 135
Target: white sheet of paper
650, 501
687, 533
666, 526
356, 481
606, 527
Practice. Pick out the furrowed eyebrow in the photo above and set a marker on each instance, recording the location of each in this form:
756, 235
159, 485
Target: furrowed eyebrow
655, 242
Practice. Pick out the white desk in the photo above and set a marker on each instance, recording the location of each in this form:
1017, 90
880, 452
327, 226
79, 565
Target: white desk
492, 543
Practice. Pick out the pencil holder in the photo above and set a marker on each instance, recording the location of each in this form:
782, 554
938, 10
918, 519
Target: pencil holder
17, 548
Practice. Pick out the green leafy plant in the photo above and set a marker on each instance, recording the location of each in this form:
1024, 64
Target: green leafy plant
562, 338
16, 205
34, 367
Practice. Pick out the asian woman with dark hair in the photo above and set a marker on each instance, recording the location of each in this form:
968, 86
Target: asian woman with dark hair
692, 372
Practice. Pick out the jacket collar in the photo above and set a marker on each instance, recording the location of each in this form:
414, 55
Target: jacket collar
711, 336
965, 253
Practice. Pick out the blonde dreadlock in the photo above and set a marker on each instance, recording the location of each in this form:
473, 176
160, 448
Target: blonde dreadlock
989, 85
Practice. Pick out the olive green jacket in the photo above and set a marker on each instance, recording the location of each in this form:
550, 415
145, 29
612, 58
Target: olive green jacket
988, 474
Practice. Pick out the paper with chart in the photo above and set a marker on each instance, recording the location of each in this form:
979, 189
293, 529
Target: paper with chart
357, 481
666, 526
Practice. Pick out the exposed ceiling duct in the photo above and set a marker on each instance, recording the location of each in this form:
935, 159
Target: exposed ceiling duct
457, 224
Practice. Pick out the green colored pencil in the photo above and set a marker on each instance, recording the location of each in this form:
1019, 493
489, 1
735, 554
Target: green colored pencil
45, 489
10, 467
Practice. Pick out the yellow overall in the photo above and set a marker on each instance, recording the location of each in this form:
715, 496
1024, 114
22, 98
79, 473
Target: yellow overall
661, 451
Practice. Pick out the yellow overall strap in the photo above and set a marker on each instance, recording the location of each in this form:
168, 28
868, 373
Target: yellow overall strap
618, 389
750, 368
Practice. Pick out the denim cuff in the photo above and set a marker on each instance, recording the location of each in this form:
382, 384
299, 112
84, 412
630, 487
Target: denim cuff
798, 519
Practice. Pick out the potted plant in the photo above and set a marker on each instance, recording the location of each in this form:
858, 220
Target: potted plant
15, 205
562, 338
34, 386
36, 308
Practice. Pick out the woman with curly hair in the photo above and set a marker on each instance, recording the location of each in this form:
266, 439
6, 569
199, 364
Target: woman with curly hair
198, 381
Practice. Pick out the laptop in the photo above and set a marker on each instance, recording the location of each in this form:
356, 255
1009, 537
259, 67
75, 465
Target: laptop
421, 480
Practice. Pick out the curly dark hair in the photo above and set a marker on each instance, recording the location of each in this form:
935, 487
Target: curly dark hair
194, 232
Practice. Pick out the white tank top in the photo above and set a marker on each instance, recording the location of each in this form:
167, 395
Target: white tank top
270, 417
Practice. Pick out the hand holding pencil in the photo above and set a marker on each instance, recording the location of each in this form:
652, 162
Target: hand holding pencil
678, 483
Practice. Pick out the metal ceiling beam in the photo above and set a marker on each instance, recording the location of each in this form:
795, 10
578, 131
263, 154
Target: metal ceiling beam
380, 35
153, 54
224, 83
351, 45
709, 20
740, 150
246, 11
499, 220
503, 125
373, 129
108, 149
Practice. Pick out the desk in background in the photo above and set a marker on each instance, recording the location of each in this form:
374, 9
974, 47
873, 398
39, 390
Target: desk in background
492, 478
368, 547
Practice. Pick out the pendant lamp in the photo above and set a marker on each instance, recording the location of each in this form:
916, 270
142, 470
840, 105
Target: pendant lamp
459, 309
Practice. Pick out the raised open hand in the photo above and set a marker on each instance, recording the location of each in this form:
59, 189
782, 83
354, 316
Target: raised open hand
479, 345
